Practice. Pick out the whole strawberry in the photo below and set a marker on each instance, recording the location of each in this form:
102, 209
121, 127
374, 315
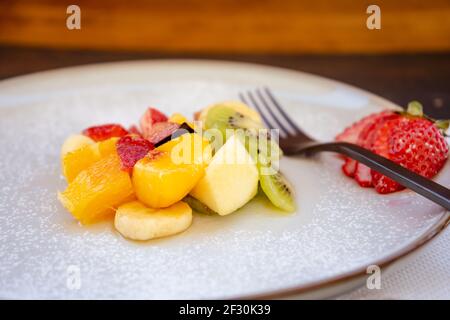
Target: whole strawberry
413, 141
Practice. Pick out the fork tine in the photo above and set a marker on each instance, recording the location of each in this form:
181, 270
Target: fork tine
280, 125
281, 111
260, 110
243, 99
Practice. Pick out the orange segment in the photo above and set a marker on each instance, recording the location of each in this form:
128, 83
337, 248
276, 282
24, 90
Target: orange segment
97, 190
74, 142
169, 172
76, 161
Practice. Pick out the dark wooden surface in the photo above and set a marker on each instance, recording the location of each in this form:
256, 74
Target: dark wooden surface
400, 78
232, 26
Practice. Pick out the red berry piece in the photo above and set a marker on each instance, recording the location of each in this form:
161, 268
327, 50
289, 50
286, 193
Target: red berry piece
160, 131
134, 130
349, 167
351, 133
383, 184
363, 175
415, 143
149, 118
419, 145
131, 149
407, 138
366, 139
360, 133
367, 134
106, 131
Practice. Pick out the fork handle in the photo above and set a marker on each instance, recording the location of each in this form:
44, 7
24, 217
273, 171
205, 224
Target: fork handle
423, 186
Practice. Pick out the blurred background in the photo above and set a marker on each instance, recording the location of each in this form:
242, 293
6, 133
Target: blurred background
408, 58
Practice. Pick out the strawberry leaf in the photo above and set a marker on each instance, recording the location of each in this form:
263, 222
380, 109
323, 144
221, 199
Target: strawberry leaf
442, 124
415, 109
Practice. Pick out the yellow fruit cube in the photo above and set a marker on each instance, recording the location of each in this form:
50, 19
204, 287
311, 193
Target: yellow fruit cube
169, 172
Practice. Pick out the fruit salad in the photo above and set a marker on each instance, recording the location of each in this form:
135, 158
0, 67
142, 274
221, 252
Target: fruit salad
408, 138
150, 177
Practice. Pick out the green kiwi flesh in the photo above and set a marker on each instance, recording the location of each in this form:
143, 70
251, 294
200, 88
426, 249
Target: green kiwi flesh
198, 206
223, 118
278, 190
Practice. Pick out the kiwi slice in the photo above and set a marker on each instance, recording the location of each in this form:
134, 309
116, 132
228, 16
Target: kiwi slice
223, 118
261, 146
277, 189
198, 206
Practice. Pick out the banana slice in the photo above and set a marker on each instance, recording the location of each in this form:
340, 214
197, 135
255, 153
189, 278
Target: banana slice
137, 222
75, 142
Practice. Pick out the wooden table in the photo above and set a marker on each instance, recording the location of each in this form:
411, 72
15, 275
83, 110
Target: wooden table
400, 78
232, 26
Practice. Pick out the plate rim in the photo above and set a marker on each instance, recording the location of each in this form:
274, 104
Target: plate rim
387, 262
286, 292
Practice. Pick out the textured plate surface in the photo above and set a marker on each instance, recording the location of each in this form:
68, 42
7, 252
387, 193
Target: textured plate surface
339, 228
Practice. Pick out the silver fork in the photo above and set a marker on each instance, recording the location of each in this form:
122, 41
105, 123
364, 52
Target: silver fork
293, 141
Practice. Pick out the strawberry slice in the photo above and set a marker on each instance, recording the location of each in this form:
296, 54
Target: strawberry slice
367, 134
366, 139
134, 130
161, 131
131, 149
363, 175
380, 146
351, 133
383, 184
360, 133
104, 132
149, 118
349, 167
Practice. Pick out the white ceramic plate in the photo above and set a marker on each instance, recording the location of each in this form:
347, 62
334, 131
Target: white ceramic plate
319, 251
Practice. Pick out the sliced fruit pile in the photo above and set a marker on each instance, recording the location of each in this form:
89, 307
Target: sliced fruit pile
149, 177
249, 140
408, 138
